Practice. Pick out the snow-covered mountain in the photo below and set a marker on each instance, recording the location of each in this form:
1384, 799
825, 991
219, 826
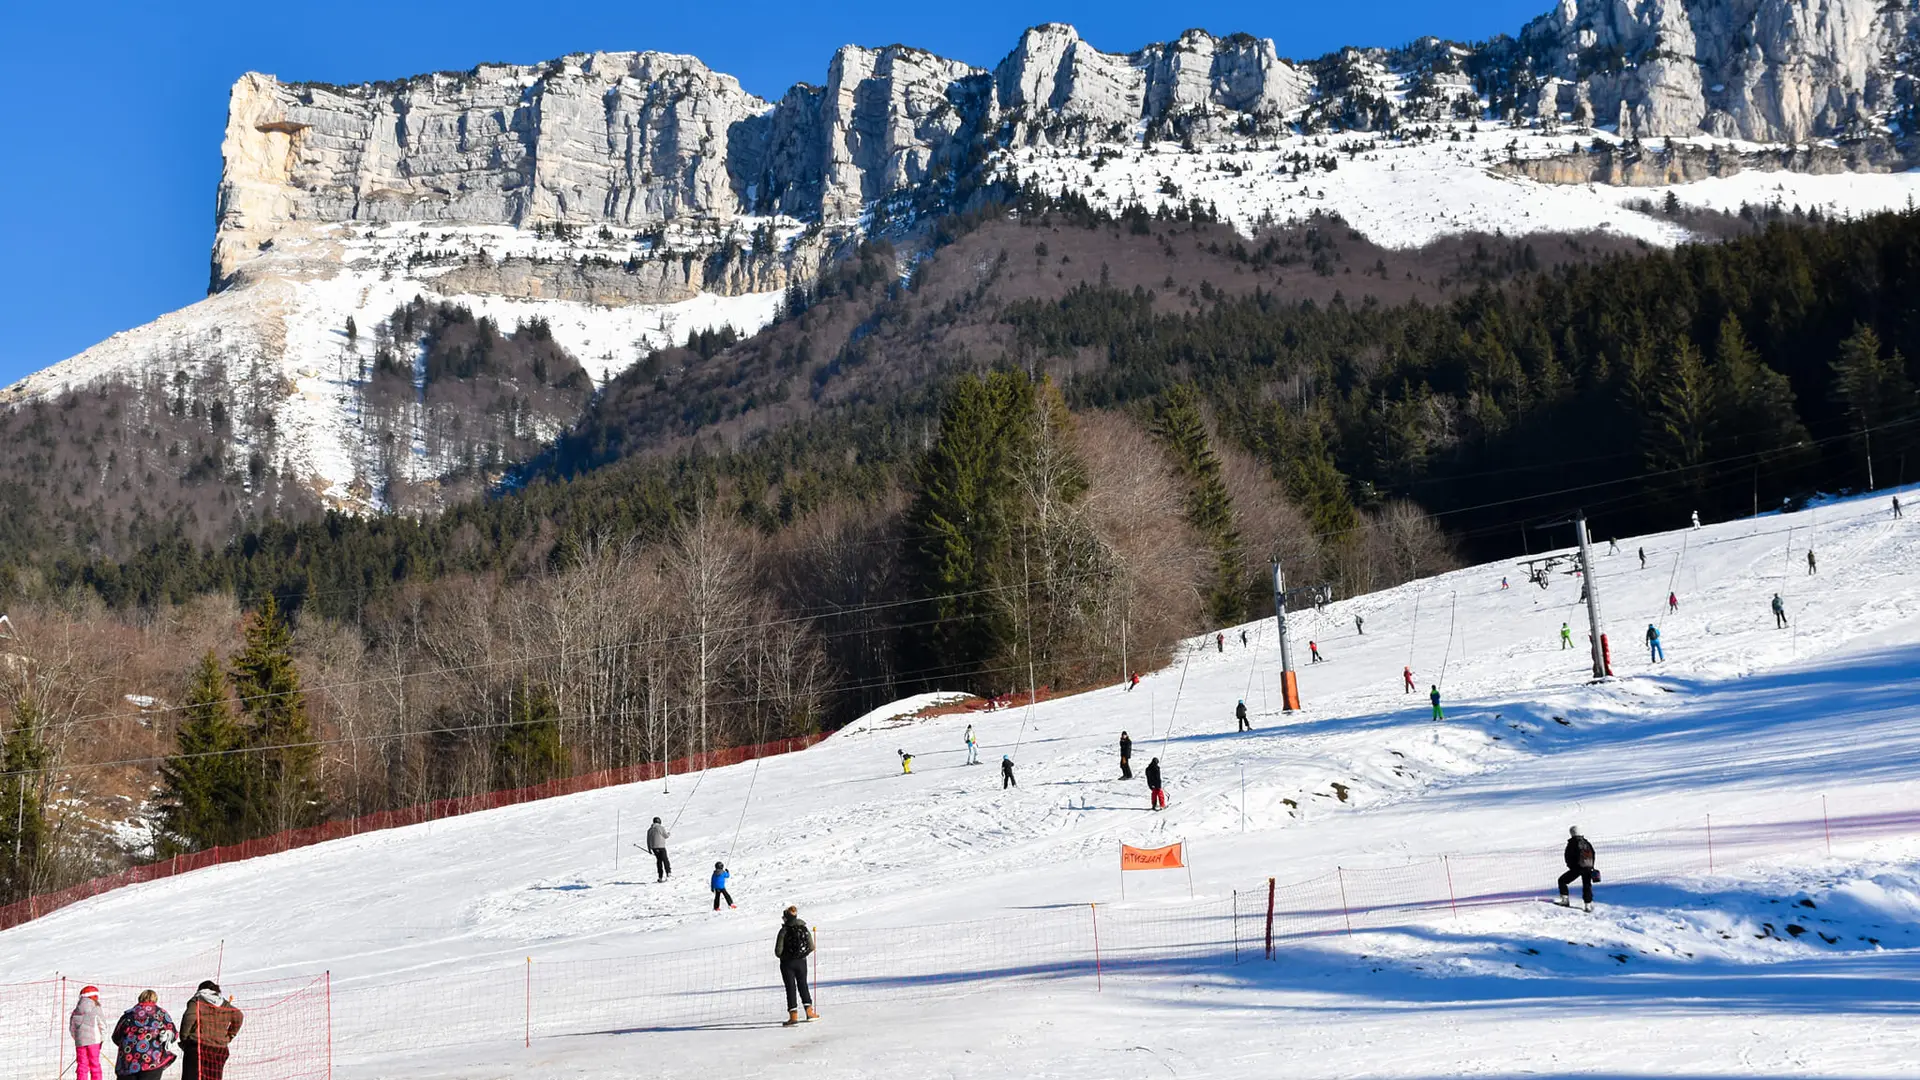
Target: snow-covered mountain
626, 200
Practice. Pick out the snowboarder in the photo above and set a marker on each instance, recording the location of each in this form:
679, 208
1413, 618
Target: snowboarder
1314, 648
657, 835
1157, 794
1566, 637
1812, 566
1643, 558
1779, 612
144, 1034
718, 883
1579, 865
973, 748
793, 944
88, 1026
1896, 507
1435, 696
1126, 756
1006, 773
1655, 654
1673, 602
1696, 519
207, 1027
906, 762
1220, 642
1360, 625
1407, 674
1240, 714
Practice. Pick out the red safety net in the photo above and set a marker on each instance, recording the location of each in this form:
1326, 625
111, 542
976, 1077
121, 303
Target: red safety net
34, 907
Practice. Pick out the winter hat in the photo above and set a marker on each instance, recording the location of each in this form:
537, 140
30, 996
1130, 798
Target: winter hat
92, 992
656, 821
719, 866
1573, 830
209, 985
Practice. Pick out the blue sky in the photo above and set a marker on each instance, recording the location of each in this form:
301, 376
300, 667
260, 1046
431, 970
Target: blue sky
110, 148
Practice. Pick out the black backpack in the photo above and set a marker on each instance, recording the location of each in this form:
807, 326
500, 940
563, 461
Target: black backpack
798, 941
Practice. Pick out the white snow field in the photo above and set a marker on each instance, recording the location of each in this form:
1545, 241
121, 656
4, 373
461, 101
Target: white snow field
954, 915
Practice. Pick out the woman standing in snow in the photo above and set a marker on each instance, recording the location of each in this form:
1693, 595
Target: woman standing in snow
88, 1026
146, 1037
207, 1027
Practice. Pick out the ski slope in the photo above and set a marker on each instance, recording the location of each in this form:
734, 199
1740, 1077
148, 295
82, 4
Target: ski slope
1694, 975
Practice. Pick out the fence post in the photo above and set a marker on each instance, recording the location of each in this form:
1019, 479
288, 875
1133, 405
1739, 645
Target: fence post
1099, 982
1452, 901
1269, 918
529, 1001
1341, 873
328, 987
1236, 926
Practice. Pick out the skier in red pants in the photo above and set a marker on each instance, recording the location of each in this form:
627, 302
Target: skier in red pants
1407, 673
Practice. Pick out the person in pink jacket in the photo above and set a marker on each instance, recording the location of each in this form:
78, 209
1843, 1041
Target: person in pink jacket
88, 1026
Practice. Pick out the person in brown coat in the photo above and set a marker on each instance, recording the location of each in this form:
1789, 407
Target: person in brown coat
207, 1027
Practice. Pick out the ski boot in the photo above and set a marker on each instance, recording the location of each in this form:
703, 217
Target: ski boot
1565, 902
1589, 907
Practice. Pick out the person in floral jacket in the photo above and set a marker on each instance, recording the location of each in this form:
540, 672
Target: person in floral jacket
146, 1037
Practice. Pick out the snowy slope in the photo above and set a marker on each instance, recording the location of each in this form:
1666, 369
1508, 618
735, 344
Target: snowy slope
1745, 722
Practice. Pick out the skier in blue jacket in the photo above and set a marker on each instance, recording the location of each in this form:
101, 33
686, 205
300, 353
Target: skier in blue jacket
719, 884
1655, 653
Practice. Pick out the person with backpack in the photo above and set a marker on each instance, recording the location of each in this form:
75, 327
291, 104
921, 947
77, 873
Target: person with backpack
973, 748
207, 1027
1006, 773
1126, 756
88, 1026
1240, 714
1779, 612
1156, 794
657, 835
718, 883
145, 1036
1579, 855
793, 944
1655, 654
1435, 697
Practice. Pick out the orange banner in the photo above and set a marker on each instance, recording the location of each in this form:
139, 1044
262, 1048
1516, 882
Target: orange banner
1162, 858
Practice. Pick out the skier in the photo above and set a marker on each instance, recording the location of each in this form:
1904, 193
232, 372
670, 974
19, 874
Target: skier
1655, 654
657, 835
1126, 756
144, 1035
207, 1027
1314, 648
1643, 558
88, 1026
1696, 519
718, 883
1812, 566
1435, 697
1407, 674
1779, 612
1133, 681
1673, 602
1220, 642
906, 762
1566, 637
1613, 546
1896, 507
1360, 625
793, 944
1243, 639
1579, 865
973, 748
1158, 795
1240, 714
1006, 773
1503, 581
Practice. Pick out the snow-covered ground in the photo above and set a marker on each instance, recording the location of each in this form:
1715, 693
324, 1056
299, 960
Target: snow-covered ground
1410, 193
1785, 959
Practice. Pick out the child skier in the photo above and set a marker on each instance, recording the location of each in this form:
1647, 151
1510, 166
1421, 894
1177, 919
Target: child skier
719, 885
1240, 714
1673, 602
1006, 773
1566, 637
1435, 695
1158, 794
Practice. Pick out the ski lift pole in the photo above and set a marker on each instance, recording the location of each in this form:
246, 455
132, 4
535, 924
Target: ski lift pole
1289, 682
1600, 667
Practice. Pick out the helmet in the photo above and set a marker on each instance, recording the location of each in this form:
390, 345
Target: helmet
719, 866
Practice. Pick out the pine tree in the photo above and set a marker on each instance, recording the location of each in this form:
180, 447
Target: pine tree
1179, 424
204, 786
529, 750
1677, 425
23, 827
283, 791
1873, 388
